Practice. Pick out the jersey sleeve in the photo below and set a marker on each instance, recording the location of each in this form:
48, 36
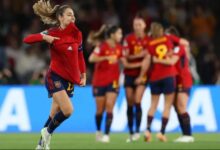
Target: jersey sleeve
80, 41
149, 49
97, 51
82, 64
125, 43
174, 38
33, 38
81, 60
178, 51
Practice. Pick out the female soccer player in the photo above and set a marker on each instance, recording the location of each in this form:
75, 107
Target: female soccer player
162, 78
67, 66
106, 56
136, 49
180, 58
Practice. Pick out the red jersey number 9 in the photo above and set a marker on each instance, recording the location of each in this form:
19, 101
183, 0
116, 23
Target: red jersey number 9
161, 51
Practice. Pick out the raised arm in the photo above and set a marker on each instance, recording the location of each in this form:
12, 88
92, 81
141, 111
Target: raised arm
39, 37
33, 38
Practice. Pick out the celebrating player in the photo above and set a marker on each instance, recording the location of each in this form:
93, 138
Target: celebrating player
67, 66
105, 78
162, 78
135, 48
180, 58
106, 56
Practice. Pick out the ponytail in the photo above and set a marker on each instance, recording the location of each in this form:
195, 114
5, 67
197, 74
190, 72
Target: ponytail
49, 14
97, 36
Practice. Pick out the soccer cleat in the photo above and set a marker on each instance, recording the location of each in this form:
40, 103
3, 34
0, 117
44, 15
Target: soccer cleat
39, 147
105, 139
98, 136
129, 139
133, 138
185, 139
136, 136
161, 137
46, 137
147, 136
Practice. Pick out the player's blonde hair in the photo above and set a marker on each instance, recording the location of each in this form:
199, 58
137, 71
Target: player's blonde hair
155, 29
48, 13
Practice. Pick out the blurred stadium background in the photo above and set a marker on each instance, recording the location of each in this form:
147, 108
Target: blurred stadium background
23, 99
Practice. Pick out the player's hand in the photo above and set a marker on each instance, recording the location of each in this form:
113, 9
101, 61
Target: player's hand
112, 59
50, 39
143, 53
83, 80
138, 80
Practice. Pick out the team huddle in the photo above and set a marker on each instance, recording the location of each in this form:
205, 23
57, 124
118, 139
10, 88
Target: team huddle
158, 58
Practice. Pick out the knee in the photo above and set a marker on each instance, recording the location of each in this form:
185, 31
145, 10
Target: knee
130, 102
151, 111
68, 112
52, 114
109, 109
99, 111
153, 108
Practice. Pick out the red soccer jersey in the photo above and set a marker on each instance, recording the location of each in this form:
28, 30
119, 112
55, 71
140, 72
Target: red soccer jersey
105, 71
161, 47
135, 46
184, 77
66, 53
173, 38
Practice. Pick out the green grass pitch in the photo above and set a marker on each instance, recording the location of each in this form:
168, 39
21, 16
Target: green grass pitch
87, 141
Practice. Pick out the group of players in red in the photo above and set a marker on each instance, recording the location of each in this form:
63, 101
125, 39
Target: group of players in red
159, 58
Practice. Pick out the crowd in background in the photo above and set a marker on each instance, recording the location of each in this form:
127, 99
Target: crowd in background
196, 20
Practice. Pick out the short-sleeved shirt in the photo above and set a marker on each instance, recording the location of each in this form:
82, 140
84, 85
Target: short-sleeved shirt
135, 46
106, 72
160, 48
184, 77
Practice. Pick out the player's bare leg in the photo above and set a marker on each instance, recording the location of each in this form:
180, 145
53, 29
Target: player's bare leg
169, 98
151, 112
66, 107
110, 102
184, 118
